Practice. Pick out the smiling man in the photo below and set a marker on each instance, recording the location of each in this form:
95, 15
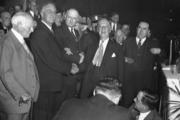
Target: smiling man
103, 58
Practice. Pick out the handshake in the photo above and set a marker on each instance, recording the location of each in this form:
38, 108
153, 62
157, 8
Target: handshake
74, 69
69, 52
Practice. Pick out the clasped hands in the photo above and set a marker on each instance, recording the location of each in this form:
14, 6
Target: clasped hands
69, 52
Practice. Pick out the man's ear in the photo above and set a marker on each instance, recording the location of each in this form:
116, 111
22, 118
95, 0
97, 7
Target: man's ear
149, 33
0, 20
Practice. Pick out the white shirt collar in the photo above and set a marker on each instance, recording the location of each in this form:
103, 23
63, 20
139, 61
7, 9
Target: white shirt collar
18, 36
50, 27
104, 44
142, 41
32, 13
142, 116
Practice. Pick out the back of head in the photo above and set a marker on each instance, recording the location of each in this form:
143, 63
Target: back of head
150, 99
110, 88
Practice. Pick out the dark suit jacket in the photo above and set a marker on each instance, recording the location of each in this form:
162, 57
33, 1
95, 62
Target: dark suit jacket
95, 108
140, 74
112, 65
153, 115
19, 75
48, 58
66, 39
37, 18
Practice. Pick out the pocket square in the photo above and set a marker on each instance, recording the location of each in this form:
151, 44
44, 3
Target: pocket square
113, 55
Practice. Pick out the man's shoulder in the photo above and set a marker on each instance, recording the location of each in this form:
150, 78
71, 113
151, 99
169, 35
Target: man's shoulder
74, 102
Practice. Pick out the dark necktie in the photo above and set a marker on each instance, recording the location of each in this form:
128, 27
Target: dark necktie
139, 43
75, 34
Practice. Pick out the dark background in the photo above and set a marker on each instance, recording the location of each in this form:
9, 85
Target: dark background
163, 15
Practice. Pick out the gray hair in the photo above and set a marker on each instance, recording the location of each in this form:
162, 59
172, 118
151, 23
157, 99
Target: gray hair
46, 7
21, 18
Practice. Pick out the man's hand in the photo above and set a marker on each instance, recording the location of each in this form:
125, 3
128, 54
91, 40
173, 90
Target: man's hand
24, 99
74, 69
68, 51
155, 51
81, 57
129, 60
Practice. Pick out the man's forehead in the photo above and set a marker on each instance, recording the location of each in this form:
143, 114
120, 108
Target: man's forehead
72, 13
103, 23
144, 25
50, 7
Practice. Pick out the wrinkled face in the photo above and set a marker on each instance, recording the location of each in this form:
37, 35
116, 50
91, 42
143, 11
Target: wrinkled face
72, 18
49, 15
104, 28
143, 30
27, 28
6, 19
138, 103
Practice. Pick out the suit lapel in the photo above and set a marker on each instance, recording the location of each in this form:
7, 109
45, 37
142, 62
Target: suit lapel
46, 28
20, 46
69, 33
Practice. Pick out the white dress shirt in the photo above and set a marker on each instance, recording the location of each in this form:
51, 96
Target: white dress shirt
142, 41
20, 39
142, 116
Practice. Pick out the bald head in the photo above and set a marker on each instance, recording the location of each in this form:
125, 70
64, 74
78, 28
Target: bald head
22, 23
72, 17
73, 13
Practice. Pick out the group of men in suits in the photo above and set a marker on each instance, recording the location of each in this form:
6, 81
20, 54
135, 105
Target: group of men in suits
52, 67
70, 65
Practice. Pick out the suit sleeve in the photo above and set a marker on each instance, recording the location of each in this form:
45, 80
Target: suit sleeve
75, 58
50, 55
9, 79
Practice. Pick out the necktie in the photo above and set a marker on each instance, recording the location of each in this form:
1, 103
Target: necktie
73, 33
139, 43
99, 55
